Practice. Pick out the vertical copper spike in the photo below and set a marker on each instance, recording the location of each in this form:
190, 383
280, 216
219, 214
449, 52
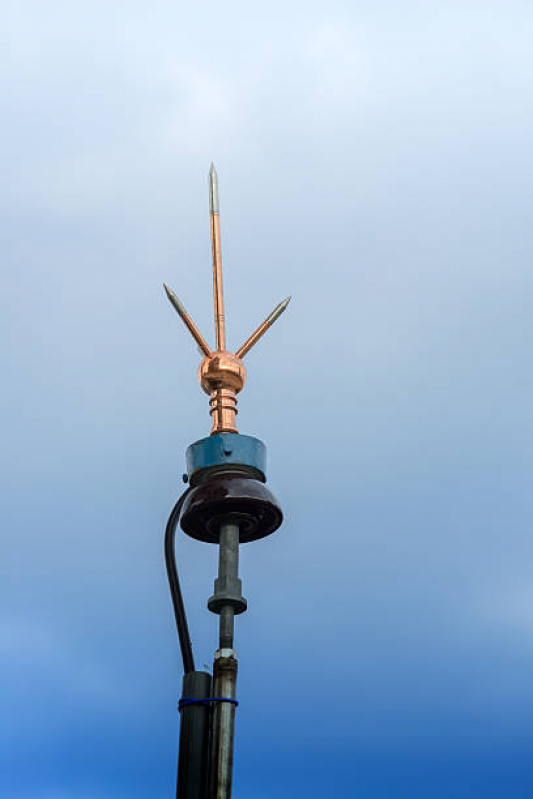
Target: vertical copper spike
220, 322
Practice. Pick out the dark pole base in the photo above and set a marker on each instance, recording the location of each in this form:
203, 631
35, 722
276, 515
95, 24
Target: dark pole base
195, 720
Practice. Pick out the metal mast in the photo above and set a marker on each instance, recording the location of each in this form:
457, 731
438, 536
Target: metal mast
228, 504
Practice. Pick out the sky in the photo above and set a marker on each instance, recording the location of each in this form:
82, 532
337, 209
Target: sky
375, 162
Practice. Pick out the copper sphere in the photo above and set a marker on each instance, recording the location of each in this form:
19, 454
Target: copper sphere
220, 370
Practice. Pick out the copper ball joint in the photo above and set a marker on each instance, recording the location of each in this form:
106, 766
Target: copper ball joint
222, 375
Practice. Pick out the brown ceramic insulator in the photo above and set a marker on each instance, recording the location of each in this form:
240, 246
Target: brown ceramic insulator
230, 497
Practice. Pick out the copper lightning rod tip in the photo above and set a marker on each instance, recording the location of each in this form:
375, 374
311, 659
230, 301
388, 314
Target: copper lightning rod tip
220, 324
262, 329
193, 330
213, 190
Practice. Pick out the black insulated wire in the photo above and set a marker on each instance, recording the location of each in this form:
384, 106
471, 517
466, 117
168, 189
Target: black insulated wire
175, 590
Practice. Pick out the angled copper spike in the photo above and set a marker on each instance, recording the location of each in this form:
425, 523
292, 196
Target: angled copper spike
220, 323
262, 329
193, 330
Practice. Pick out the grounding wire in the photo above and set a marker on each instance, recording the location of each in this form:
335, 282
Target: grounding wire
175, 590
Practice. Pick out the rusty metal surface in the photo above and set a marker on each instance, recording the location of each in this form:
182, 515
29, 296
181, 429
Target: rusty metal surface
222, 740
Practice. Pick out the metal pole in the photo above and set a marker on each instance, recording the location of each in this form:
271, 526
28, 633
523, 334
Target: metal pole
227, 488
220, 322
194, 737
224, 685
225, 665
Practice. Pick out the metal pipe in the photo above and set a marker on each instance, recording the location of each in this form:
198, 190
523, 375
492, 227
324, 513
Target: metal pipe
224, 668
223, 730
228, 571
227, 617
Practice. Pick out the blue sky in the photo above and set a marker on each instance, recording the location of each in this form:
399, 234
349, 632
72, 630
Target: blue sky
374, 162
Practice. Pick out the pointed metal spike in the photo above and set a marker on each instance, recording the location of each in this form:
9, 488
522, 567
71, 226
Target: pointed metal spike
214, 207
193, 330
262, 329
175, 301
278, 310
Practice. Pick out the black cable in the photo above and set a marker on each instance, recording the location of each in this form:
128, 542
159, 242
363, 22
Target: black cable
175, 590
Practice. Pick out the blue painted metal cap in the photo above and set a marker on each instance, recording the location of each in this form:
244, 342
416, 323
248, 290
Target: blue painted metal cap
226, 449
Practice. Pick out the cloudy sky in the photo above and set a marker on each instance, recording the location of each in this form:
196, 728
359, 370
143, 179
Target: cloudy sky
374, 162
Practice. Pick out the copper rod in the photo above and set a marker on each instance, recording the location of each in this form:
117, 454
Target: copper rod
193, 330
262, 329
218, 294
